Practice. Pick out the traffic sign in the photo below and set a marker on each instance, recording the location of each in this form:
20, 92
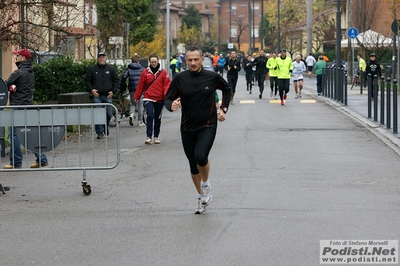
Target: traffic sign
395, 26
352, 33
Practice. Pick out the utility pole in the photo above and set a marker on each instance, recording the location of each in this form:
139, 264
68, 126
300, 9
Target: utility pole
309, 26
279, 27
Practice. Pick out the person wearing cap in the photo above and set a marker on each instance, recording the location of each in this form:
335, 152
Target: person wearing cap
221, 64
285, 68
103, 82
23, 80
215, 61
273, 73
373, 68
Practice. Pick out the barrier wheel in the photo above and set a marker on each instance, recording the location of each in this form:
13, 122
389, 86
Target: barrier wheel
86, 189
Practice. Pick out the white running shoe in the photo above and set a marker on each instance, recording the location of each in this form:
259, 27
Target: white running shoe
157, 140
131, 120
206, 195
270, 94
147, 141
200, 208
141, 124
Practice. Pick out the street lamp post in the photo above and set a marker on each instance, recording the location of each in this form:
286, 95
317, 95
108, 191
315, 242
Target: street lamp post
219, 26
253, 31
279, 26
230, 21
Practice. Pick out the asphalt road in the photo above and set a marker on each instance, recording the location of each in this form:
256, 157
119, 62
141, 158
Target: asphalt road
283, 177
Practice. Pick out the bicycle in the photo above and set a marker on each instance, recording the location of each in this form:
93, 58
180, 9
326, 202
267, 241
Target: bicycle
354, 81
123, 107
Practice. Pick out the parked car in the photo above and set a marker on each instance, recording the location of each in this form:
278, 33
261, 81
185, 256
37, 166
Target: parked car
207, 64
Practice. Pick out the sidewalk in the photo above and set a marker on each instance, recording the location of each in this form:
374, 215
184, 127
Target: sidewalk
357, 109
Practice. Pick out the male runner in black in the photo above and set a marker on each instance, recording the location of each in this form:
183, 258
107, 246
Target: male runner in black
194, 91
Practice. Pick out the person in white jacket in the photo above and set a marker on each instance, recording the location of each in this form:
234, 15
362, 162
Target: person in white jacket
297, 74
310, 61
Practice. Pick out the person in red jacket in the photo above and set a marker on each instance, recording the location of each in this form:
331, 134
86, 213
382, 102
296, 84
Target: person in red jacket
153, 84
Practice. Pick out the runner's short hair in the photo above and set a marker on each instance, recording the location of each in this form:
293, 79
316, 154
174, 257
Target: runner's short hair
195, 48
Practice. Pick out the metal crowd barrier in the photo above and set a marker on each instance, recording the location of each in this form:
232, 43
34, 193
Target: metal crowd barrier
65, 134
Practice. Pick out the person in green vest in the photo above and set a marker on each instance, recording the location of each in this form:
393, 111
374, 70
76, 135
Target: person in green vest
273, 73
173, 67
319, 66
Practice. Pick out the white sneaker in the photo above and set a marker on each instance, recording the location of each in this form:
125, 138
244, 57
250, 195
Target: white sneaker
141, 124
147, 141
200, 208
131, 120
157, 141
297, 95
206, 195
270, 94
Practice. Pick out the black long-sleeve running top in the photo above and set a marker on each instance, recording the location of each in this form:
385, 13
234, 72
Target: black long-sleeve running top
197, 93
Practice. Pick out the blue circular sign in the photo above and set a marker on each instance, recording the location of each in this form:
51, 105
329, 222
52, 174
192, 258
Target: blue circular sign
352, 33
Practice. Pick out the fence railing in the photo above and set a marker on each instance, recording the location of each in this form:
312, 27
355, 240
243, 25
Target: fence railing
382, 94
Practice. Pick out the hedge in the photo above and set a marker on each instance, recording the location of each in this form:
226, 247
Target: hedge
61, 74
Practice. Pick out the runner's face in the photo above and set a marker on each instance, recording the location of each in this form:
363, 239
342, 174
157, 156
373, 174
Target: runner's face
233, 54
194, 61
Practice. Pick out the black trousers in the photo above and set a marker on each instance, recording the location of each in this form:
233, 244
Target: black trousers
284, 86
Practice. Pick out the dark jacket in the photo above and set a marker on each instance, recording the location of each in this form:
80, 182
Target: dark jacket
103, 78
24, 79
261, 64
374, 68
229, 65
247, 65
133, 72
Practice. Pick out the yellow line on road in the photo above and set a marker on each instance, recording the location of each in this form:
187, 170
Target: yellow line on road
308, 101
247, 101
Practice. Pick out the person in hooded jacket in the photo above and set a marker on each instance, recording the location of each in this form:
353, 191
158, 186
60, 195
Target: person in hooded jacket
21, 93
153, 84
133, 72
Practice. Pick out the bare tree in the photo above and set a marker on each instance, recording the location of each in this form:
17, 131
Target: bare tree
41, 25
364, 14
242, 26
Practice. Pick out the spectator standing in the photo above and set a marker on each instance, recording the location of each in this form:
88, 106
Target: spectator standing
194, 92
24, 80
319, 66
153, 84
233, 67
273, 73
285, 68
310, 61
133, 72
103, 82
260, 62
362, 66
373, 68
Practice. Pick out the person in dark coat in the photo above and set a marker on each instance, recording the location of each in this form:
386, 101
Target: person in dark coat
21, 86
133, 72
103, 82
